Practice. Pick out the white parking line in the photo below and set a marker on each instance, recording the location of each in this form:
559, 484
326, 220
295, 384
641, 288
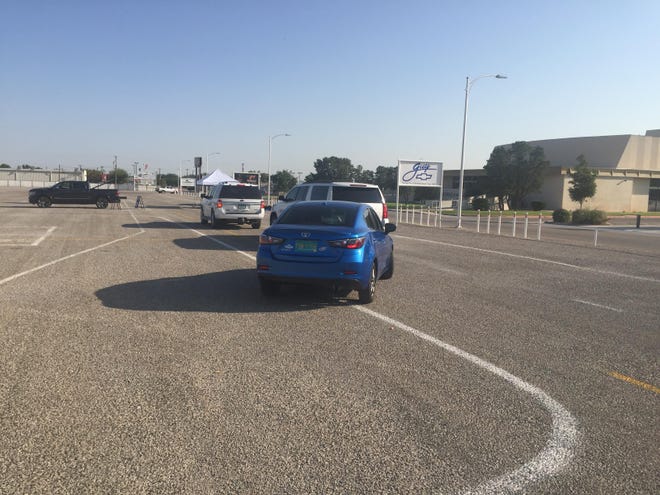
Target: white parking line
38, 241
560, 447
22, 235
531, 258
73, 255
598, 305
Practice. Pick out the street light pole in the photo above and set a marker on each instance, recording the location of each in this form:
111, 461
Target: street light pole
207, 160
468, 86
270, 145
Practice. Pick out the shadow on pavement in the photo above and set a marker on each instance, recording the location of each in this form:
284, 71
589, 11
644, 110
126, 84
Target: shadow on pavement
233, 291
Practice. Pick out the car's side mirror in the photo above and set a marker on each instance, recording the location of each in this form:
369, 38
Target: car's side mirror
389, 227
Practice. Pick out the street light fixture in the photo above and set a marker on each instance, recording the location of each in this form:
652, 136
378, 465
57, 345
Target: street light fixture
468, 86
207, 160
270, 145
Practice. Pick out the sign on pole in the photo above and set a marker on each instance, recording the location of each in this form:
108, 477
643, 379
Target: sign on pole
418, 173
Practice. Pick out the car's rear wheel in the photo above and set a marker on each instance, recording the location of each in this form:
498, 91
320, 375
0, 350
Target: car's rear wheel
102, 202
202, 218
256, 225
268, 287
367, 294
44, 202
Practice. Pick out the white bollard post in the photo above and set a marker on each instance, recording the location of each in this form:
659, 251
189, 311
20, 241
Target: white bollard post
428, 216
515, 217
407, 208
596, 238
488, 223
499, 224
526, 222
440, 217
538, 233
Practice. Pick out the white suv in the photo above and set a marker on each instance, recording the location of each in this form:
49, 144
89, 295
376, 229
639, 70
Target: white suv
232, 203
337, 191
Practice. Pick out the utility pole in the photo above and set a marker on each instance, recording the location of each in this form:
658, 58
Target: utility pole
115, 164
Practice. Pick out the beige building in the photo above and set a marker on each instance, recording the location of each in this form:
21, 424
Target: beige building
628, 169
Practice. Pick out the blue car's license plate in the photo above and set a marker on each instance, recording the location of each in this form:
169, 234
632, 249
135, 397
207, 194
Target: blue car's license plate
306, 246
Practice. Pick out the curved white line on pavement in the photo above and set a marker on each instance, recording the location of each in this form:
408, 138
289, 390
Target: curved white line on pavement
563, 440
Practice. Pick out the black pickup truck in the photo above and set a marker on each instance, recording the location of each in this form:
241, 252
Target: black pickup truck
73, 192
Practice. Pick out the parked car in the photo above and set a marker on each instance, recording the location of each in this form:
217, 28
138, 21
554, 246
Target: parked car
340, 244
167, 189
73, 192
333, 191
232, 203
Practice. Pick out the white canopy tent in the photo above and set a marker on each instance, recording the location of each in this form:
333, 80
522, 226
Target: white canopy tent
216, 177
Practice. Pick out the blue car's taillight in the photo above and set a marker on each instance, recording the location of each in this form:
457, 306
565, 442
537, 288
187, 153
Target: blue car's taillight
268, 239
352, 243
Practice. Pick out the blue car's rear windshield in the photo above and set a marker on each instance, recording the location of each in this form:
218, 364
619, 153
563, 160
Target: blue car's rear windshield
319, 215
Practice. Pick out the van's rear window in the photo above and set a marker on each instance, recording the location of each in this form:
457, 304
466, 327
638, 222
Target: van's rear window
356, 194
240, 192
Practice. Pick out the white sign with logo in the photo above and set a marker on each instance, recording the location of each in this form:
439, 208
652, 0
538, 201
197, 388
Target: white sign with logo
420, 173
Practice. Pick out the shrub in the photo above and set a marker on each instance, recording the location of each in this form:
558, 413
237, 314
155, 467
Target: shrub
538, 205
589, 217
480, 204
561, 216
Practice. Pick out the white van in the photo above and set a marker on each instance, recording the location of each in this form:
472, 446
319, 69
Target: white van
337, 191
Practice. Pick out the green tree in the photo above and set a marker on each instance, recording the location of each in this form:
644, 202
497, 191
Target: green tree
93, 175
362, 175
386, 178
583, 181
282, 181
122, 176
330, 169
514, 172
171, 180
4, 165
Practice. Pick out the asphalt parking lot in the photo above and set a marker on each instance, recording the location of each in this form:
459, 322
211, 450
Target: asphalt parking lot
138, 356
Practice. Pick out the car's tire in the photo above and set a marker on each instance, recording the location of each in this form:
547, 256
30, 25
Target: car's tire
390, 271
273, 218
214, 221
256, 225
102, 202
367, 294
269, 287
202, 219
44, 202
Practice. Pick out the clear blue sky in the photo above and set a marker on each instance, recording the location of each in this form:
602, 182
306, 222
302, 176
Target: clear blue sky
159, 82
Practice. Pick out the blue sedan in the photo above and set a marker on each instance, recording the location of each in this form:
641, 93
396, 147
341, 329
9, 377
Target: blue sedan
338, 244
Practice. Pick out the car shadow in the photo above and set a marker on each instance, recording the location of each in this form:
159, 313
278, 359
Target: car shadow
232, 291
161, 225
219, 243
